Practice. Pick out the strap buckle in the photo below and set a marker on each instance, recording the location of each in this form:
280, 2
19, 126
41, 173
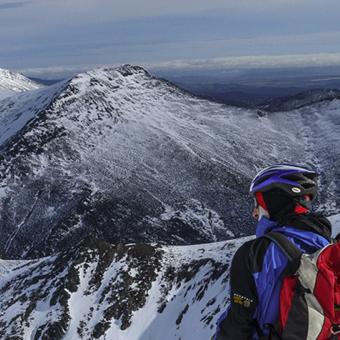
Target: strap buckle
335, 329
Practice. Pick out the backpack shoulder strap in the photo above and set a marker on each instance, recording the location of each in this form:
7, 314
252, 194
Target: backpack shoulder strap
292, 252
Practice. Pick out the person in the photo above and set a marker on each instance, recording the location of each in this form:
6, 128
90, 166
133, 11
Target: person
283, 196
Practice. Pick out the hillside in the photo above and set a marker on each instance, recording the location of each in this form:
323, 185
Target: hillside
125, 157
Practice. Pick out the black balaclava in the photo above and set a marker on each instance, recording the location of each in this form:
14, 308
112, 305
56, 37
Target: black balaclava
278, 203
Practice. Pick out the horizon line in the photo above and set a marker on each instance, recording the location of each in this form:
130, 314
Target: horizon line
220, 63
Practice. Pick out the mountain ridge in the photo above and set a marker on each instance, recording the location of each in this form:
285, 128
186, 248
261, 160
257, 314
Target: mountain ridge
300, 100
129, 282
126, 157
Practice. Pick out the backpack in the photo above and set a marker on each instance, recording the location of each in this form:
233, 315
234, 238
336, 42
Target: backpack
309, 306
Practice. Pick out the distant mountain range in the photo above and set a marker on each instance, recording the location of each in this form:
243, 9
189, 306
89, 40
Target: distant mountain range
300, 100
253, 87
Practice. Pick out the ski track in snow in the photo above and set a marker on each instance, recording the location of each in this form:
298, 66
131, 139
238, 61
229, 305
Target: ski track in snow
21, 224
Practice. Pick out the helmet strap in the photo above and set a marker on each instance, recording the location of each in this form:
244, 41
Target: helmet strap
299, 209
260, 200
303, 205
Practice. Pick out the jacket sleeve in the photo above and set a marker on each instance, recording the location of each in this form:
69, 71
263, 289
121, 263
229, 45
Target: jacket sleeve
239, 320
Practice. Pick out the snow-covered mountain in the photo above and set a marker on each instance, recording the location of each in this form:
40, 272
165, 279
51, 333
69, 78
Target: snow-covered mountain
107, 182
96, 290
11, 82
122, 156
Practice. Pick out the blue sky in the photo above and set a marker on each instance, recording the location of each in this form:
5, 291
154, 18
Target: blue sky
69, 34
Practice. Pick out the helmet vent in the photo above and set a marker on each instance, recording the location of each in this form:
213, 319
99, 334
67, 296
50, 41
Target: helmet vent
308, 185
264, 178
293, 177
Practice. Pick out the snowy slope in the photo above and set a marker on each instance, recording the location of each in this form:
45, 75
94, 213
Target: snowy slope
99, 291
123, 292
18, 109
6, 266
11, 82
126, 157
335, 220
317, 126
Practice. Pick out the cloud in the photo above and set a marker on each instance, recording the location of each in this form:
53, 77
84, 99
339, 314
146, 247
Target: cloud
228, 63
12, 5
56, 72
87, 32
251, 62
139, 8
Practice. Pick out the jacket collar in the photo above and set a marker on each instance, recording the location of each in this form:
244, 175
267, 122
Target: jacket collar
264, 226
310, 222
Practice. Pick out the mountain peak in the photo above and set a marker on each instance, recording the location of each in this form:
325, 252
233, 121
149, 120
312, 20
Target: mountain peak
127, 70
108, 80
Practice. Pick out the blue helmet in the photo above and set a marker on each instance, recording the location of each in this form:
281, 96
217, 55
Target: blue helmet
294, 180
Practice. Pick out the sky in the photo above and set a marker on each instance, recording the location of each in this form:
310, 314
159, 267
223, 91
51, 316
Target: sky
41, 36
